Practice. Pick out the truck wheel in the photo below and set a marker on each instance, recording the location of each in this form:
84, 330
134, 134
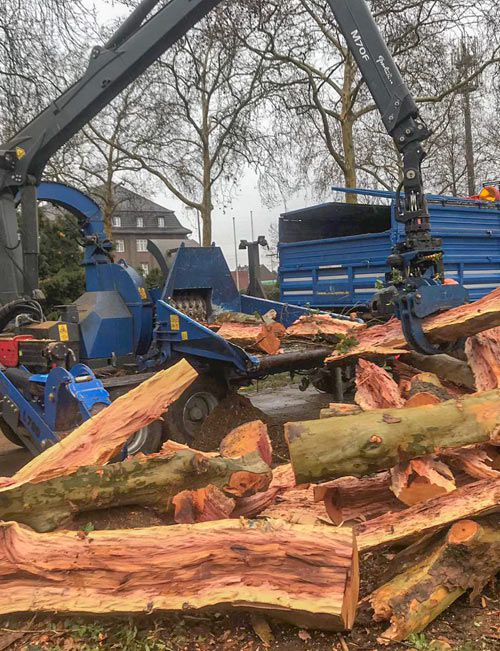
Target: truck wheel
147, 440
185, 416
9, 434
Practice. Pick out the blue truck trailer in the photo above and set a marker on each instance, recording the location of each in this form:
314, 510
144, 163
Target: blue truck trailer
334, 255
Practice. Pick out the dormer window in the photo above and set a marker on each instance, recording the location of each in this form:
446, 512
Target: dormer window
161, 222
117, 222
140, 222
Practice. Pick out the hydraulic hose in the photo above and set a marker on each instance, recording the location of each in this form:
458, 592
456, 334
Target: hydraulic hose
10, 310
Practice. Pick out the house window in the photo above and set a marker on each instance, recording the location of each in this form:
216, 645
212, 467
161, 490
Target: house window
120, 246
140, 222
161, 222
142, 245
117, 222
145, 268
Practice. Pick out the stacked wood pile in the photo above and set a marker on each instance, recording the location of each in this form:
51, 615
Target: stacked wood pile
414, 465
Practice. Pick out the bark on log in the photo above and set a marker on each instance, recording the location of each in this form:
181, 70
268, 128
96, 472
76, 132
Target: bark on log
323, 326
477, 462
274, 567
339, 409
99, 439
467, 557
359, 445
375, 388
148, 481
202, 505
351, 499
469, 501
249, 507
449, 326
265, 337
483, 354
421, 479
447, 368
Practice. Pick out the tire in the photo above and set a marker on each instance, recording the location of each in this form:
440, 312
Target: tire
186, 415
147, 440
10, 435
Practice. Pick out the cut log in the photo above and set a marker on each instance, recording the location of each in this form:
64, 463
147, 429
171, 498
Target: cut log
265, 337
421, 479
375, 388
477, 462
249, 437
351, 499
449, 326
274, 567
150, 481
422, 399
249, 507
466, 558
298, 506
447, 368
483, 354
99, 439
469, 501
202, 505
366, 443
339, 409
323, 326
428, 383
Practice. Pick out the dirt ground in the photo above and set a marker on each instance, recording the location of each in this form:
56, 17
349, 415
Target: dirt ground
463, 627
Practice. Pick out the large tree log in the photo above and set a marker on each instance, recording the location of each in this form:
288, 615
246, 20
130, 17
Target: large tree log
366, 443
449, 326
150, 481
483, 355
275, 567
99, 439
265, 337
375, 388
351, 499
467, 557
447, 368
467, 501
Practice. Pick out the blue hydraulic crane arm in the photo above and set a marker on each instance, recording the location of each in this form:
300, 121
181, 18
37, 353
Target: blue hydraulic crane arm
129, 52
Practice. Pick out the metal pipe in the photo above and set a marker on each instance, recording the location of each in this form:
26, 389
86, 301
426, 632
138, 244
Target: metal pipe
132, 23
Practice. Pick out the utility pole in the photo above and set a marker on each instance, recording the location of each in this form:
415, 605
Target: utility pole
465, 59
251, 224
236, 254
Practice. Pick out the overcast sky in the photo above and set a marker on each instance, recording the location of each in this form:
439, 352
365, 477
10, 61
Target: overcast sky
246, 200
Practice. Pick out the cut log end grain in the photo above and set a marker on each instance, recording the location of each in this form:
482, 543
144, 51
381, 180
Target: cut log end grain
247, 438
264, 337
273, 567
375, 388
421, 479
467, 557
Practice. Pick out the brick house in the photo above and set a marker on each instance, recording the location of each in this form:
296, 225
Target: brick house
136, 219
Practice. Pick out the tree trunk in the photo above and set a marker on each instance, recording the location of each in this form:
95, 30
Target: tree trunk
468, 501
101, 437
452, 325
347, 127
467, 557
277, 568
351, 499
366, 443
150, 481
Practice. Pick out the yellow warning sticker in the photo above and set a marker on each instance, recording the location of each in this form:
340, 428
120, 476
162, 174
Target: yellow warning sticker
174, 322
20, 153
184, 335
143, 293
63, 332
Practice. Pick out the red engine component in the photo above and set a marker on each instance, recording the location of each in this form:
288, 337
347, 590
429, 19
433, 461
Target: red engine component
9, 349
488, 193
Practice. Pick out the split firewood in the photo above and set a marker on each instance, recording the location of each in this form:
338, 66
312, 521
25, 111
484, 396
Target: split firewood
375, 388
202, 505
272, 567
265, 337
150, 481
472, 500
323, 326
282, 480
100, 438
339, 409
366, 443
477, 462
447, 368
352, 499
466, 557
297, 506
450, 326
483, 354
421, 479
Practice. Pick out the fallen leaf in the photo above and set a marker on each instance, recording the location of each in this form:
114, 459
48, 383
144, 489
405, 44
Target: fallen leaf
387, 418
